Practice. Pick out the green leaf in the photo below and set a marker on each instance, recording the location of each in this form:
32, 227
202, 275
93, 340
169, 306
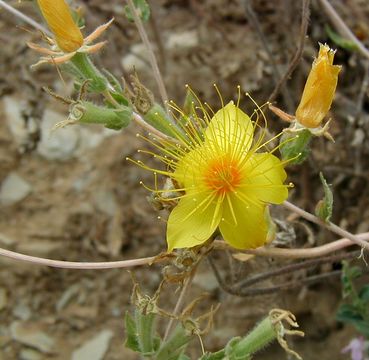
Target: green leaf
142, 8
324, 208
364, 293
363, 327
341, 41
348, 313
145, 332
349, 273
295, 146
174, 347
131, 333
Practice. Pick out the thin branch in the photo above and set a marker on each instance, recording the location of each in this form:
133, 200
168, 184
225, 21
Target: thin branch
266, 290
78, 265
328, 225
179, 303
342, 28
152, 58
251, 15
24, 17
288, 269
305, 16
314, 252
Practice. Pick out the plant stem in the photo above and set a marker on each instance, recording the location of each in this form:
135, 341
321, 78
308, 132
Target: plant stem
300, 47
179, 303
328, 225
24, 17
152, 58
314, 252
76, 264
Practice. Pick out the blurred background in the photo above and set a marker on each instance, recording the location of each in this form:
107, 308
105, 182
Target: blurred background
72, 195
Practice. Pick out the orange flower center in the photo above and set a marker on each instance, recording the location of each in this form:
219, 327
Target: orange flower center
222, 175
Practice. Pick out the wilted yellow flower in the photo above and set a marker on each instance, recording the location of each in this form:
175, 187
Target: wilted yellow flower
319, 89
68, 37
223, 181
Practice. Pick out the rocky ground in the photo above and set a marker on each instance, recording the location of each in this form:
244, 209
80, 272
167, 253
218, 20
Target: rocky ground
71, 195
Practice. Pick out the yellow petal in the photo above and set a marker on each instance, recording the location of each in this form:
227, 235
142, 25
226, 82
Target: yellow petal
264, 178
192, 221
59, 18
230, 130
243, 225
319, 89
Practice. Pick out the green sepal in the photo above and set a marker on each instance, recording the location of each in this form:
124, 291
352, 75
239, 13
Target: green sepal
158, 118
84, 69
142, 8
89, 113
295, 146
324, 208
340, 41
173, 348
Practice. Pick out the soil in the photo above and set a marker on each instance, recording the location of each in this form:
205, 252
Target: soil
86, 203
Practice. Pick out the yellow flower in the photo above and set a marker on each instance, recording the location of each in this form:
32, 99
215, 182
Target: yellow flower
222, 180
68, 37
319, 89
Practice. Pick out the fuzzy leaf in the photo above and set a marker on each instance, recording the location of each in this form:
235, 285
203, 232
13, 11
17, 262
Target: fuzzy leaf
341, 41
324, 207
131, 333
173, 348
142, 8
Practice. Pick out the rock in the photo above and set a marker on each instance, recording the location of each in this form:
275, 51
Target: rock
40, 248
206, 280
136, 59
32, 335
18, 126
6, 240
30, 354
105, 202
13, 189
3, 298
22, 311
67, 296
187, 39
95, 348
59, 144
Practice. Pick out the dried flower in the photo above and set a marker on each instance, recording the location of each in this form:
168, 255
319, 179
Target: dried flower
319, 89
222, 180
68, 37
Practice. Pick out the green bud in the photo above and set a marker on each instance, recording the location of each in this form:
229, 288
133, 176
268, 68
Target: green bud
295, 146
89, 113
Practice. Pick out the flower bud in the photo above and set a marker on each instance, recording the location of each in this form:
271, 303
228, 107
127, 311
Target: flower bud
319, 89
59, 18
